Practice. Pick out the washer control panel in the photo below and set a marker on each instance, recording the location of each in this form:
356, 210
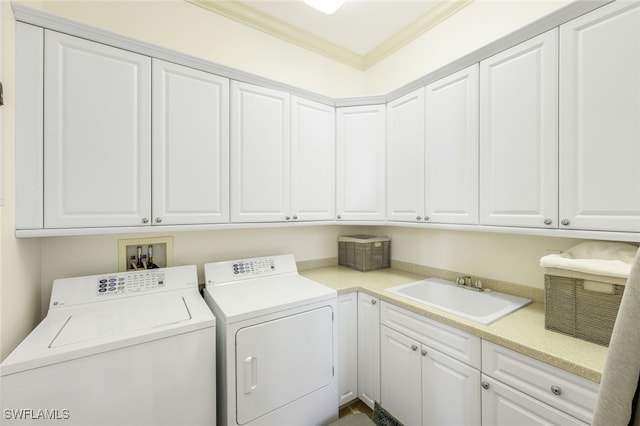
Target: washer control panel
117, 285
130, 282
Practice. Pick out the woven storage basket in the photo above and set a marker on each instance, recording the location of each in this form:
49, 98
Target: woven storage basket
581, 305
364, 252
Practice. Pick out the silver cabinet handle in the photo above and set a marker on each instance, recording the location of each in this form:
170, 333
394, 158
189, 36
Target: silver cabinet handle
145, 220
414, 347
295, 217
423, 352
374, 301
556, 390
339, 217
158, 220
426, 218
565, 222
419, 218
485, 385
548, 221
287, 217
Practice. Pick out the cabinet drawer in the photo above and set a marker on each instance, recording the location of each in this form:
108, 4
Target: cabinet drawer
567, 392
448, 340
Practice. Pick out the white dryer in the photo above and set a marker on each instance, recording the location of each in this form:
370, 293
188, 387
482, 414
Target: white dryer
130, 348
276, 343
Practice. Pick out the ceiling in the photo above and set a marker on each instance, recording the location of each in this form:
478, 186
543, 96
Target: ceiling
359, 34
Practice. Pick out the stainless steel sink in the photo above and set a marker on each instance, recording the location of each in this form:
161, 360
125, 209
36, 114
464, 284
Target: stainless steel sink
483, 307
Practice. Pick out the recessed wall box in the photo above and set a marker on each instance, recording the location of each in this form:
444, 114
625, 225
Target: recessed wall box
145, 253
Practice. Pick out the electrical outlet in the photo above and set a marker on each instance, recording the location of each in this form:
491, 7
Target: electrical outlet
161, 247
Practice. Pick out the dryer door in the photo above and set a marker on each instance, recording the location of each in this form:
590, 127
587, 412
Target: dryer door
280, 361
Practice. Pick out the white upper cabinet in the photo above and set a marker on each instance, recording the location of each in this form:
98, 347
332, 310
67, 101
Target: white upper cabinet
97, 134
190, 145
600, 119
313, 151
519, 135
405, 157
260, 153
360, 142
452, 148
282, 156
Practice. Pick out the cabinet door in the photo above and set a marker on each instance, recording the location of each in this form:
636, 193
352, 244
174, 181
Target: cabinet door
260, 154
519, 135
400, 378
97, 134
502, 405
347, 347
190, 145
368, 349
450, 390
405, 158
312, 160
599, 110
360, 163
452, 148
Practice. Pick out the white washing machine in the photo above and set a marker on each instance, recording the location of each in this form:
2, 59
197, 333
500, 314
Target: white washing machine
276, 343
130, 348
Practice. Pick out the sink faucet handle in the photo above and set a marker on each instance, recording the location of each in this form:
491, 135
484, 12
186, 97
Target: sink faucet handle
464, 280
478, 284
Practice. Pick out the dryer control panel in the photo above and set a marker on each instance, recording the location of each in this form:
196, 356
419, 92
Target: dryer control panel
244, 269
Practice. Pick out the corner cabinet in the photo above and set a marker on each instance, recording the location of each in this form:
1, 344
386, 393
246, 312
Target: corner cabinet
599, 119
97, 134
282, 156
519, 135
347, 347
360, 144
368, 349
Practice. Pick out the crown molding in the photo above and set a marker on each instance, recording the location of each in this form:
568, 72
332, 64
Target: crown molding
443, 10
264, 22
278, 28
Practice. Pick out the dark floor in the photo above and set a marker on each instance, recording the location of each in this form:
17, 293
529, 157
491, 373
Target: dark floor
356, 406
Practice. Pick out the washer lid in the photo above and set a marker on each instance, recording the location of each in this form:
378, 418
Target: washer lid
123, 317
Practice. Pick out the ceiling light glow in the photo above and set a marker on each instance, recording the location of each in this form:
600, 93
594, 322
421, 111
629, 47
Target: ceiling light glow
325, 6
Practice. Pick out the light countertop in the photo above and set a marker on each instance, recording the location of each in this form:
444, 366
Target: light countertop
522, 331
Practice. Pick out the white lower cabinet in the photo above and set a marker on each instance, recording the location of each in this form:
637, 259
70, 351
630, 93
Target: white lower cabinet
347, 347
502, 405
368, 349
520, 390
421, 385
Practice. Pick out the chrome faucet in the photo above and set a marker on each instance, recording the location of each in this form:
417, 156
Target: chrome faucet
467, 282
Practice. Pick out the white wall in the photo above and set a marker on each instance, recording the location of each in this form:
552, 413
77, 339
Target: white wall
505, 257
189, 29
88, 255
473, 27
20, 285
